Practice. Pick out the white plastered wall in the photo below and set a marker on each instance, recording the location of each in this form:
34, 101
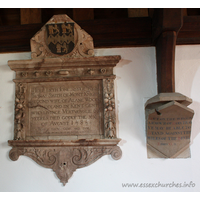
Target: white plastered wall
135, 83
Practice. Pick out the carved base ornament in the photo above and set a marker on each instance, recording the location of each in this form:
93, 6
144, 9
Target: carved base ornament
64, 160
65, 115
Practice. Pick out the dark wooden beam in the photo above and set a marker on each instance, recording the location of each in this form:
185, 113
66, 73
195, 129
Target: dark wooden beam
47, 13
190, 31
138, 12
185, 12
83, 14
165, 57
166, 24
10, 16
17, 38
120, 32
30, 15
110, 13
166, 19
1, 21
106, 33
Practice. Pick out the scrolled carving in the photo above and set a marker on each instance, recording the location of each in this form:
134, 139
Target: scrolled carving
116, 153
79, 155
65, 160
42, 156
20, 111
86, 156
14, 154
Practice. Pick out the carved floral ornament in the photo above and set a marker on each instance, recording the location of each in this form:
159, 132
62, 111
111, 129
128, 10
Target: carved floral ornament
65, 115
65, 160
20, 111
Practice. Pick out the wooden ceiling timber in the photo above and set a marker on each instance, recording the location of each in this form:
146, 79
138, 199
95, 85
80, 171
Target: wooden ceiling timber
165, 58
1, 21
138, 12
47, 13
83, 14
30, 15
184, 11
193, 11
110, 13
166, 25
190, 31
107, 32
10, 16
166, 19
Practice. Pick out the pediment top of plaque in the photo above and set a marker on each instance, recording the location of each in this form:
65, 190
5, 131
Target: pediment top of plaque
166, 97
172, 109
61, 37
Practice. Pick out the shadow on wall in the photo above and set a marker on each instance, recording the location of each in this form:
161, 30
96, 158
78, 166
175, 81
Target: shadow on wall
7, 104
187, 71
195, 121
136, 79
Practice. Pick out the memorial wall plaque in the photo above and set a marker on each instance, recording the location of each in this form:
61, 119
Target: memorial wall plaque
64, 100
168, 126
68, 110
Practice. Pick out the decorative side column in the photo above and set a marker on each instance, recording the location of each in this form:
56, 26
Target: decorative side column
65, 105
109, 108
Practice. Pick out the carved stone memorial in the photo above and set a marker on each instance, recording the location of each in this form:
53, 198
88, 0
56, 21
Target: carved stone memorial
168, 126
64, 101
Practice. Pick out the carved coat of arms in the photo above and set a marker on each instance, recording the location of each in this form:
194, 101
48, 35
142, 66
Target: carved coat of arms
60, 38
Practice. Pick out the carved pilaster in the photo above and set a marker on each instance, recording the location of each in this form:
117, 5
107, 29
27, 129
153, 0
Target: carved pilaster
109, 108
20, 102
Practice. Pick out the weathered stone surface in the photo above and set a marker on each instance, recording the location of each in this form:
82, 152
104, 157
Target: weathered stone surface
65, 160
61, 36
65, 102
65, 108
166, 97
168, 126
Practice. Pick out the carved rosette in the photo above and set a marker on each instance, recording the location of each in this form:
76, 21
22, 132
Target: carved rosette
20, 101
65, 160
109, 108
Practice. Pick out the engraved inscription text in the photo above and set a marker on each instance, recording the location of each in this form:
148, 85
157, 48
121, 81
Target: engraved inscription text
70, 108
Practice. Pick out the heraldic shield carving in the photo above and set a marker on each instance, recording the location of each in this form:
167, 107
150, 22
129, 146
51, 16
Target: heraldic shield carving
60, 38
65, 116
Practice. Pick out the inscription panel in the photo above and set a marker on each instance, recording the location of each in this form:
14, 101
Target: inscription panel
169, 128
65, 108
169, 131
